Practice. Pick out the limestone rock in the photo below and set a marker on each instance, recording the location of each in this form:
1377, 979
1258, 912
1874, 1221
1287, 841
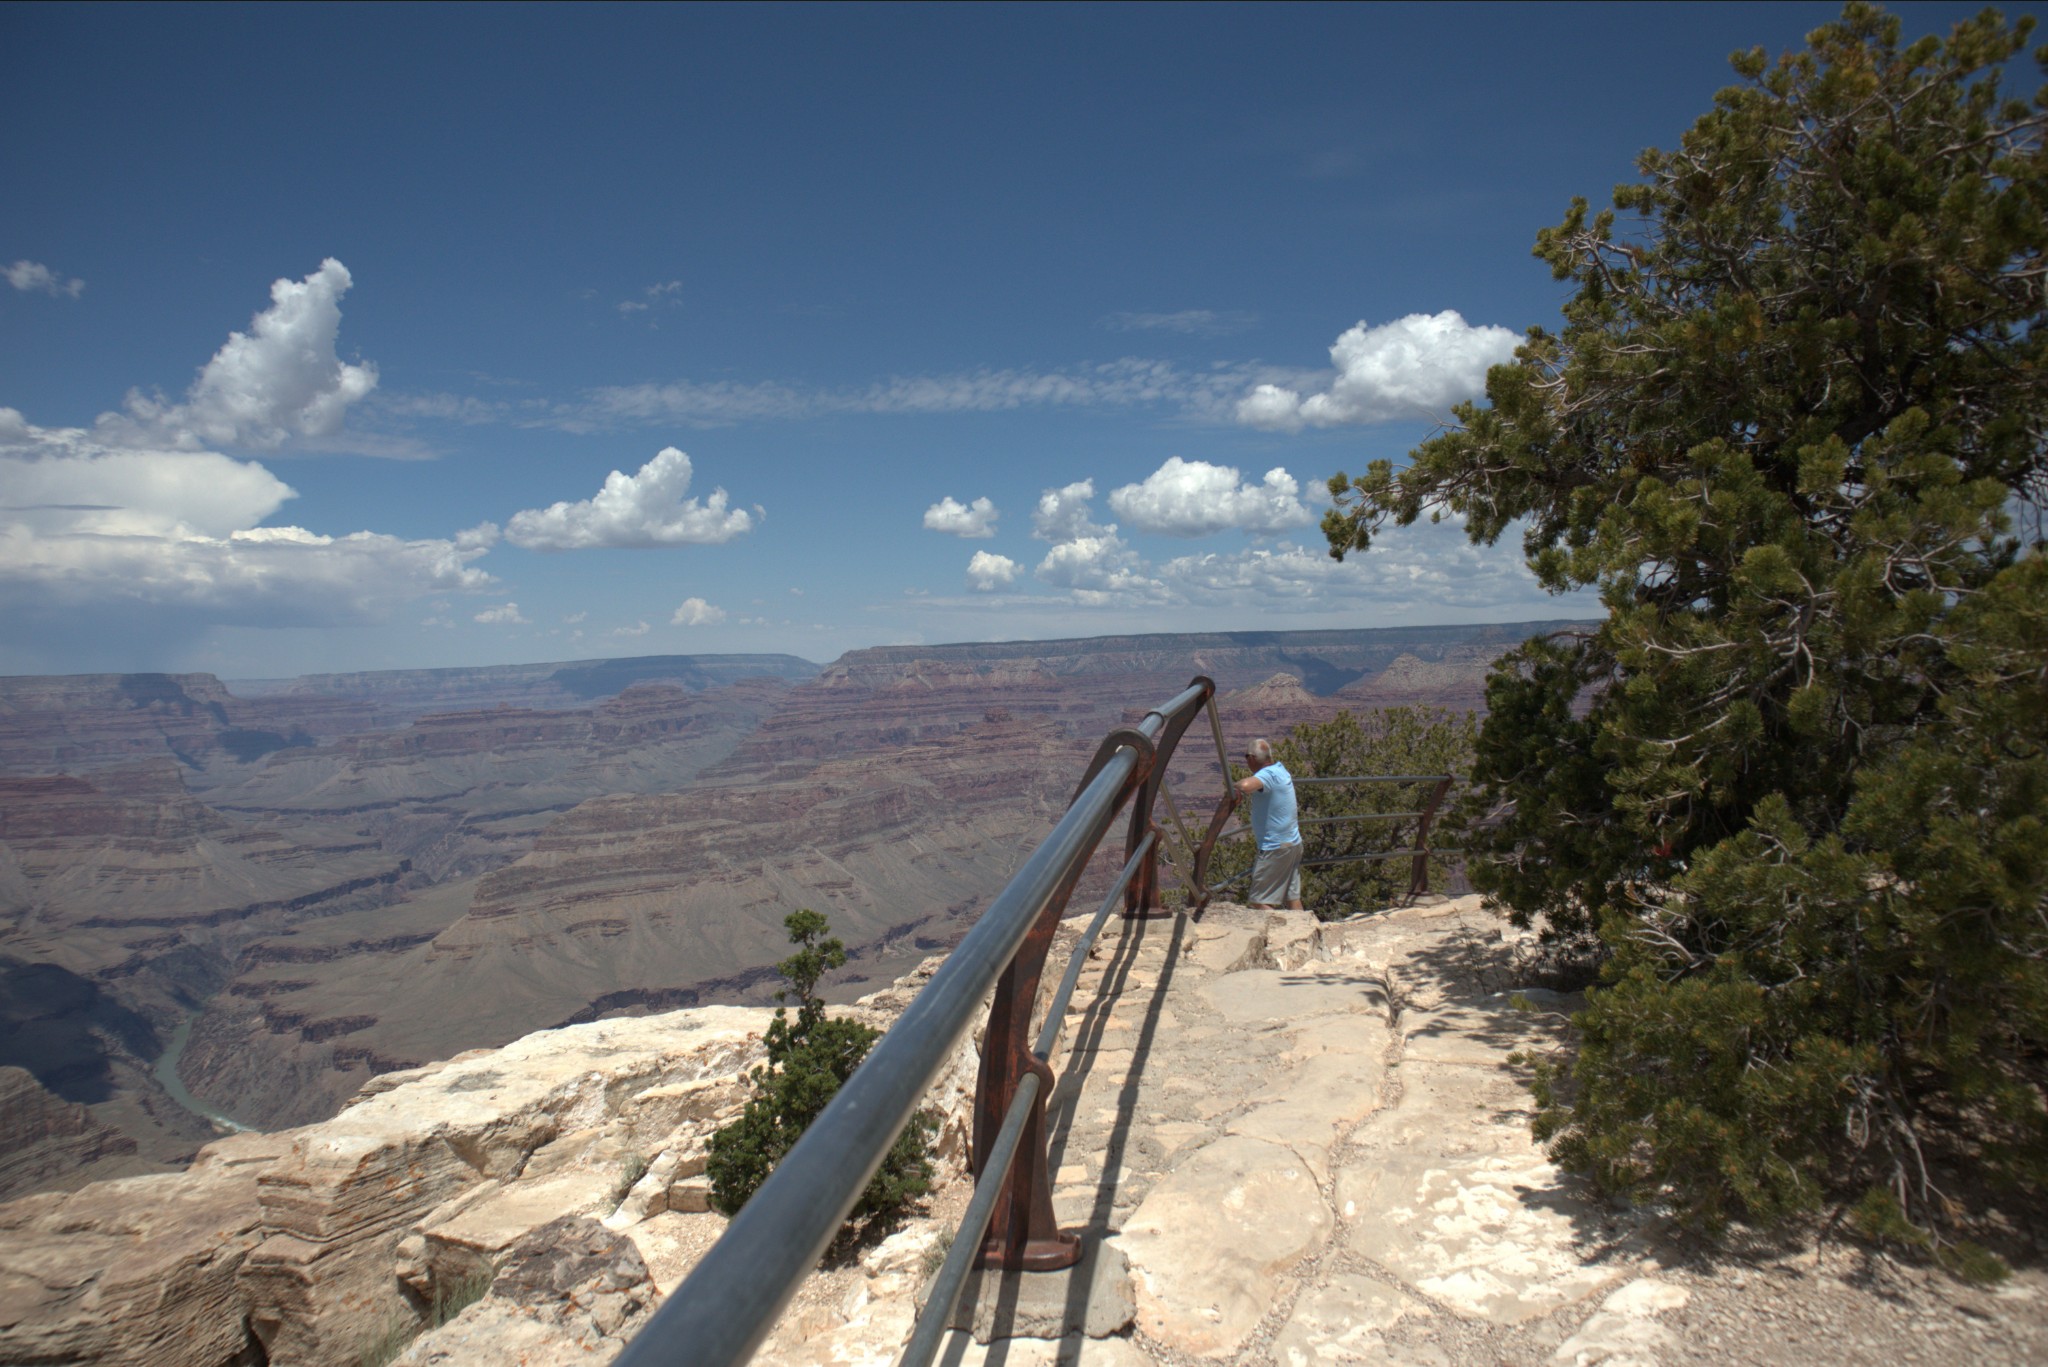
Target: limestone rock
336, 1206
1341, 1321
140, 1270
1092, 1299
647, 1197
1624, 1331
1484, 1236
1209, 1243
1258, 995
1074, 1351
570, 1292
691, 1196
1320, 1098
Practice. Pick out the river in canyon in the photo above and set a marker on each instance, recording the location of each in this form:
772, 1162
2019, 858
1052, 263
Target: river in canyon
167, 1075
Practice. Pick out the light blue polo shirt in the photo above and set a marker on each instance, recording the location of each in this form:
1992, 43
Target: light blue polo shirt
1273, 808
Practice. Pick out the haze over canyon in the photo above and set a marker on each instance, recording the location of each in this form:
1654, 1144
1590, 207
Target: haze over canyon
233, 903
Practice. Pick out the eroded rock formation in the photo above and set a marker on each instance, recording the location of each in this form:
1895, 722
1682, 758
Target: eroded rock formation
320, 880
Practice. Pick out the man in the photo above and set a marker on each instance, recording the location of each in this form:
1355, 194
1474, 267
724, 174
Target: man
1276, 873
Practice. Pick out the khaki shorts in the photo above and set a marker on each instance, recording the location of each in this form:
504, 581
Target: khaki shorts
1276, 876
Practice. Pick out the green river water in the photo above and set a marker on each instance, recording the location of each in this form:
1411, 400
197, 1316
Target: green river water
167, 1074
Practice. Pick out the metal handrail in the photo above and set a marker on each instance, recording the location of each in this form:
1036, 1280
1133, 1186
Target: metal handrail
720, 1315
937, 1316
1370, 778
1418, 882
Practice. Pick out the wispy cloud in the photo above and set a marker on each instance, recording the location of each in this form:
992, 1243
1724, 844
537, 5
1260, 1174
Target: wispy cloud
1131, 382
1193, 322
667, 292
33, 277
1414, 367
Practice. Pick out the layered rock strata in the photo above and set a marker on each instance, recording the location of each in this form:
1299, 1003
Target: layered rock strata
1288, 1143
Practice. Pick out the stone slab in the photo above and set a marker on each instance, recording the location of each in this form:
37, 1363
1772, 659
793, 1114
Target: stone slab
1624, 1332
1341, 1321
1227, 949
1211, 1242
1495, 1237
1092, 1299
1319, 1099
1480, 1032
1265, 994
1451, 1112
960, 1350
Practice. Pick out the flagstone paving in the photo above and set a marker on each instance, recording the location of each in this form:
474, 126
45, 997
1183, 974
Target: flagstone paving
1312, 1147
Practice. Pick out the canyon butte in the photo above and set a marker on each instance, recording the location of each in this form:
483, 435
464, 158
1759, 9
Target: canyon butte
230, 905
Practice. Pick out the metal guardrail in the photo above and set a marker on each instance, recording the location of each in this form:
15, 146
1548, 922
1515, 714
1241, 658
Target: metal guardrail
1421, 852
730, 1302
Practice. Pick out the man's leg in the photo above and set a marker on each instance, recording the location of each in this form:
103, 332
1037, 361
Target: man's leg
1294, 882
1276, 878
1269, 880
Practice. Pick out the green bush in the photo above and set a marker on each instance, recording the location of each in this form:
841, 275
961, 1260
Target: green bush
1796, 782
1396, 740
809, 1057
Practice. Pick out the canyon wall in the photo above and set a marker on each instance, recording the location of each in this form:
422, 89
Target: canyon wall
347, 875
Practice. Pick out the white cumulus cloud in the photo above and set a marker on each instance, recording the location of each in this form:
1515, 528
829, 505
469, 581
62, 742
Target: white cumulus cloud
1413, 367
279, 380
1195, 498
641, 510
1087, 558
1066, 514
91, 534
33, 277
988, 572
505, 614
976, 519
695, 612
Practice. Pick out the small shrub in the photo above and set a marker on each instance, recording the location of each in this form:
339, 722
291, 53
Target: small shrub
389, 1343
809, 1057
1394, 740
935, 1256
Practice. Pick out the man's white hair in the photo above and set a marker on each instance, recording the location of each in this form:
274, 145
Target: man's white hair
1262, 751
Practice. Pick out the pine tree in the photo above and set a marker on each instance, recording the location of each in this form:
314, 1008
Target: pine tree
1793, 787
809, 1058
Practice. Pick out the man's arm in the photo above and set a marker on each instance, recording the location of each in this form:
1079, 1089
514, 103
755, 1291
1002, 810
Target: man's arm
1248, 786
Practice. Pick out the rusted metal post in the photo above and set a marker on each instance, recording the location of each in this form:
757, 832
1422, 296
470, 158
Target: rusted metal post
1216, 729
1023, 1234
1418, 881
1200, 872
1141, 898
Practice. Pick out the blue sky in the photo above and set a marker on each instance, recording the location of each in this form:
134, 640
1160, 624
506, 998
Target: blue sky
323, 330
